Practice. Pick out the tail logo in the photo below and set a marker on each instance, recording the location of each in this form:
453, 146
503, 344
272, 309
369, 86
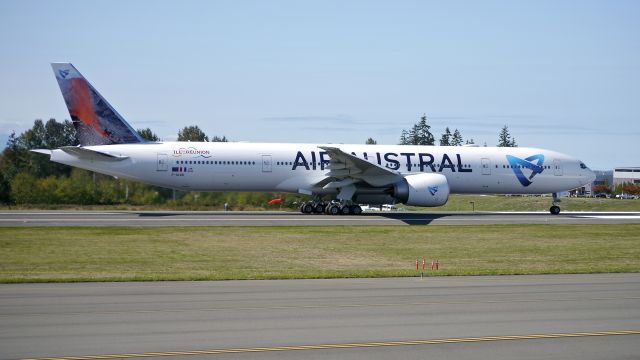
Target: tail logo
518, 165
63, 73
432, 190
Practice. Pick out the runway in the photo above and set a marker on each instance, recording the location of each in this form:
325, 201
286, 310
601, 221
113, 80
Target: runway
507, 317
272, 218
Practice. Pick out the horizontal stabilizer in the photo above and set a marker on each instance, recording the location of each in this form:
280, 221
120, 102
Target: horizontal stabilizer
85, 153
42, 151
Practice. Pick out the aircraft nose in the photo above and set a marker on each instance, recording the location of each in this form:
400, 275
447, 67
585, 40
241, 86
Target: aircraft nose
591, 176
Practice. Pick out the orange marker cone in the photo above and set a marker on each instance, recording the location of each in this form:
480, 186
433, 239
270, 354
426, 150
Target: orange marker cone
416, 264
437, 264
423, 264
433, 264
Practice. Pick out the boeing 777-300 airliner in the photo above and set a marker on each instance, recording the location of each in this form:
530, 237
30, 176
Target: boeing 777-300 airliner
346, 175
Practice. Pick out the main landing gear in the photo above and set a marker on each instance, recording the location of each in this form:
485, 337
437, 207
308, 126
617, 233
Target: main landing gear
555, 209
329, 208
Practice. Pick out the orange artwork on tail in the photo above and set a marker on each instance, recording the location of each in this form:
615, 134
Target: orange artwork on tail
82, 107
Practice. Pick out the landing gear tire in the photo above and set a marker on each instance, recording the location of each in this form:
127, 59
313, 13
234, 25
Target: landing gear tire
319, 208
345, 210
307, 208
356, 210
333, 209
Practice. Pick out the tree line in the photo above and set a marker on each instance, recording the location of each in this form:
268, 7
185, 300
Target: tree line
420, 134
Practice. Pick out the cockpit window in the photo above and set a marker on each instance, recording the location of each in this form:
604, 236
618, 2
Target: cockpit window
583, 166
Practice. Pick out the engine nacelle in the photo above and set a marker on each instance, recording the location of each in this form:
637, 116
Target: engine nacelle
422, 190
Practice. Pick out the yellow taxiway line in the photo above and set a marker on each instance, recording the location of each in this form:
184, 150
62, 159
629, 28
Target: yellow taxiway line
344, 346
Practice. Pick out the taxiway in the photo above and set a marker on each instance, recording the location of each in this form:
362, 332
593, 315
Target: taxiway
506, 317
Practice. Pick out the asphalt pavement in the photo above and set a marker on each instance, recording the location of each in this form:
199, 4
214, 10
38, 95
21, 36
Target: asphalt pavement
503, 317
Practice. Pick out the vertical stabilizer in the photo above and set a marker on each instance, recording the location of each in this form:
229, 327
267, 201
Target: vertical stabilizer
96, 122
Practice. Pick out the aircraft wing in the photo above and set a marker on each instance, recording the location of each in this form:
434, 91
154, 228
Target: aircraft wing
348, 169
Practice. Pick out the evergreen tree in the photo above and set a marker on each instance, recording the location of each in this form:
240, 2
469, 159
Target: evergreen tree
404, 137
216, 138
9, 166
419, 134
456, 139
147, 134
370, 141
445, 139
192, 133
412, 137
422, 132
470, 142
505, 139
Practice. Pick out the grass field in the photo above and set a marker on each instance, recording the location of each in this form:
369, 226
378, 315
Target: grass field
197, 253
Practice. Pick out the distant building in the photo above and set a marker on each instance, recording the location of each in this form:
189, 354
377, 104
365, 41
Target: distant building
626, 175
603, 177
621, 175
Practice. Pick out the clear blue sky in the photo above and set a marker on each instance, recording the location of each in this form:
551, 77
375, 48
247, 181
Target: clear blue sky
563, 75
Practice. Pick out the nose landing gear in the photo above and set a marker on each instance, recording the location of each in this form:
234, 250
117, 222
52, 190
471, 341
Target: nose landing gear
555, 209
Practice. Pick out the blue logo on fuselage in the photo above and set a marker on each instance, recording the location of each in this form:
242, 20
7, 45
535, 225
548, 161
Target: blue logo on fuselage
517, 165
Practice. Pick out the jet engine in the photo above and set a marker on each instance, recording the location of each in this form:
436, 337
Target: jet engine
422, 190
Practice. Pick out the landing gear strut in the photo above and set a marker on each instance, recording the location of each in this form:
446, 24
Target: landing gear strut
555, 209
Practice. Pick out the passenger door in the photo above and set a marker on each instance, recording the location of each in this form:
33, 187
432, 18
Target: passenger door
486, 166
557, 168
266, 163
163, 163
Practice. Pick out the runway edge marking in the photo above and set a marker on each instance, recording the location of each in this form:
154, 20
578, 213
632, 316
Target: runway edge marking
344, 346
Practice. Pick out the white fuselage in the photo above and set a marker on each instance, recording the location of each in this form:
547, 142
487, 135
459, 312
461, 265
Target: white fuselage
296, 168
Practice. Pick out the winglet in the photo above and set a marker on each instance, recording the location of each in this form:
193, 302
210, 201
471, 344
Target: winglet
95, 120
